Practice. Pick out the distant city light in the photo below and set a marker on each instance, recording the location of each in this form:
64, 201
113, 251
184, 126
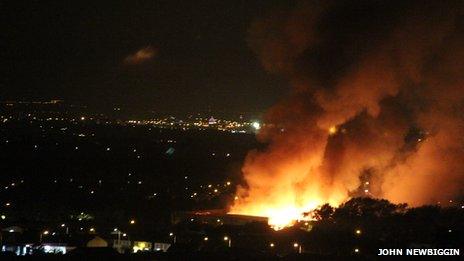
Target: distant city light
256, 125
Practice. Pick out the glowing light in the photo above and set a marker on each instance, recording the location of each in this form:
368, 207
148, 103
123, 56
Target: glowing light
295, 245
171, 234
205, 238
226, 238
132, 222
63, 225
358, 231
92, 229
356, 250
332, 130
271, 245
256, 125
46, 232
2, 216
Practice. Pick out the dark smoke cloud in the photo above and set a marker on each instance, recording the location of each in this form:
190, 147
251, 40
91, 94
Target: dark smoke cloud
389, 75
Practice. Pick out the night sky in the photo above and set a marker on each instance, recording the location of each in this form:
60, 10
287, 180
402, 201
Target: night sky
194, 55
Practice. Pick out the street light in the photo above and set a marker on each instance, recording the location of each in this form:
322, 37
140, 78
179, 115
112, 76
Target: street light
173, 236
44, 233
67, 228
297, 246
205, 238
228, 240
272, 245
132, 222
358, 232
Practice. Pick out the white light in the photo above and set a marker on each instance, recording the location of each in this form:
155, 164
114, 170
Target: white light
256, 125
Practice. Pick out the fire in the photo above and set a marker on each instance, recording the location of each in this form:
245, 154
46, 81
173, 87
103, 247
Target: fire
386, 122
279, 215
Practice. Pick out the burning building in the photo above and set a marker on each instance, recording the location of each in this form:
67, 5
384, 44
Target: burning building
376, 106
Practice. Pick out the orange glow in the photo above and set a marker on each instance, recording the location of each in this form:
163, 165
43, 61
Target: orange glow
332, 130
384, 128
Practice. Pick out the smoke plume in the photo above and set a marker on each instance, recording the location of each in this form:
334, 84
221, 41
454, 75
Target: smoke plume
376, 106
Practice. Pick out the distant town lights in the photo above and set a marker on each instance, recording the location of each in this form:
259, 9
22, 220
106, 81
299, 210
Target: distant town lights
256, 125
